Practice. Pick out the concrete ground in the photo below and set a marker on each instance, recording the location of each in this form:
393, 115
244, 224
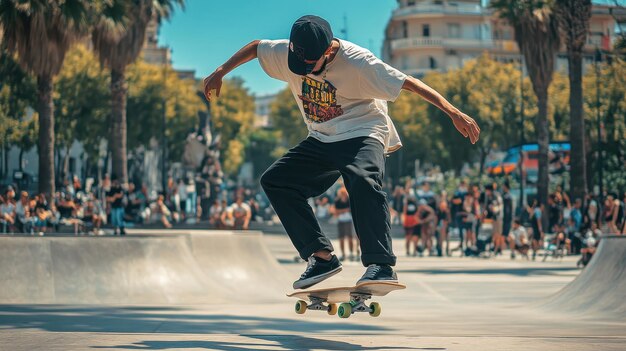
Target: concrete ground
450, 304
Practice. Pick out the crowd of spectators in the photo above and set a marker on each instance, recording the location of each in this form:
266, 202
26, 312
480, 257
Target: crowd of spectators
486, 220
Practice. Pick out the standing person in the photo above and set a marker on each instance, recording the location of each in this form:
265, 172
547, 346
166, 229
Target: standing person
468, 215
457, 213
341, 90
192, 197
397, 204
535, 220
181, 191
507, 217
254, 209
426, 217
115, 199
591, 211
215, 215
341, 210
443, 221
623, 204
555, 214
410, 223
428, 195
322, 208
492, 214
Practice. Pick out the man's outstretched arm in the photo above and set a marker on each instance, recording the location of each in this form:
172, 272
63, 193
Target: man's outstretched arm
463, 123
214, 80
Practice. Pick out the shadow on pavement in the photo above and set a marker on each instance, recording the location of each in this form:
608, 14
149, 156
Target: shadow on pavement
282, 342
106, 319
522, 271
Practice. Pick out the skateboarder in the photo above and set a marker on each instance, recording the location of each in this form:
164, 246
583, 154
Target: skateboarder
341, 90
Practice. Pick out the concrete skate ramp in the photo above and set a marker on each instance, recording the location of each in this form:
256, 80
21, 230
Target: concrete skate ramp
181, 268
600, 289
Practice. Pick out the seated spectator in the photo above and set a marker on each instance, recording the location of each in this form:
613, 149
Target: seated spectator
254, 210
518, 239
25, 214
590, 244
44, 214
164, 213
92, 215
136, 203
215, 215
7, 210
237, 215
7, 216
68, 209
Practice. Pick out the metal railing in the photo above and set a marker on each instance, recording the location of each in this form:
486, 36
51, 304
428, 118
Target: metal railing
462, 9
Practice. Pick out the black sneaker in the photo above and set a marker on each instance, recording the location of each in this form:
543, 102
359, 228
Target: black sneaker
317, 270
378, 273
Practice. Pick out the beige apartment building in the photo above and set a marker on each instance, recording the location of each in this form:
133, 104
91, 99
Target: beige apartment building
427, 35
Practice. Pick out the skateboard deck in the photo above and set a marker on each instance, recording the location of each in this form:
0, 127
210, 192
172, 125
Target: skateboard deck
351, 299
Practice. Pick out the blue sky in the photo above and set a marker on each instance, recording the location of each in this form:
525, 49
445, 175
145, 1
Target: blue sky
208, 32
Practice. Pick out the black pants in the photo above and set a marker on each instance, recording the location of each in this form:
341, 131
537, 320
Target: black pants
308, 170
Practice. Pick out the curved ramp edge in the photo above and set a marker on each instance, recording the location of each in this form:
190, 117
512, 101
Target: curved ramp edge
600, 288
177, 268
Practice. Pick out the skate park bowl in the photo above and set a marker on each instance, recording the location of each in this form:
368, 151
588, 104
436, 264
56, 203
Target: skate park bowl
600, 289
186, 267
220, 290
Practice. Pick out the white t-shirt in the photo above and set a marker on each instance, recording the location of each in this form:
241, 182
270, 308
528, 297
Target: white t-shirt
520, 235
7, 208
348, 100
239, 211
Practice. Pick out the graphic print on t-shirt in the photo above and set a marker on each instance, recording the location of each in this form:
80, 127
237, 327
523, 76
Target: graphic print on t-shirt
319, 100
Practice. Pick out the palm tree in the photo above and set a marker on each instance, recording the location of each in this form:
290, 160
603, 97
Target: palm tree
117, 47
537, 35
40, 32
574, 18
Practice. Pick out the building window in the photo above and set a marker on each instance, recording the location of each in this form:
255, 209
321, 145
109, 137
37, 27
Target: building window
405, 29
454, 30
426, 30
432, 63
411, 2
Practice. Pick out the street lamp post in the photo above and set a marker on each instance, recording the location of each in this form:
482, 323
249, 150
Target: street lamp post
522, 139
163, 136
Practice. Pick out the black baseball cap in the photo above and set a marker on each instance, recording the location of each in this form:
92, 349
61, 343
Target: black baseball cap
309, 39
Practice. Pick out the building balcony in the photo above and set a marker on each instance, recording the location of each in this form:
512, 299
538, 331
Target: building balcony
452, 43
442, 9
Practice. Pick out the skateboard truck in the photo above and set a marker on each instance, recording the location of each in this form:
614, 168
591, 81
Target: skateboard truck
344, 301
345, 309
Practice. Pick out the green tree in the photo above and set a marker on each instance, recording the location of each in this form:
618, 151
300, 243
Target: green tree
41, 32
287, 119
150, 86
118, 46
574, 18
611, 82
233, 118
485, 89
537, 35
17, 93
81, 100
261, 149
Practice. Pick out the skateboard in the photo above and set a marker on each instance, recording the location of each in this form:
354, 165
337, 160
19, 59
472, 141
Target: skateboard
351, 299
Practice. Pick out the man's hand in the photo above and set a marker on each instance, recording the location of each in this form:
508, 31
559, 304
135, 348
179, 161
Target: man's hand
466, 125
213, 82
